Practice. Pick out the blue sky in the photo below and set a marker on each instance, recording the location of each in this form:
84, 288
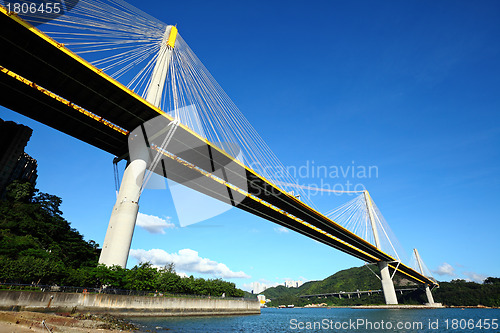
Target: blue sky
412, 88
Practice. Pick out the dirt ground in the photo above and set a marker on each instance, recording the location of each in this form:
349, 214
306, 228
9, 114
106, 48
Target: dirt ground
24, 322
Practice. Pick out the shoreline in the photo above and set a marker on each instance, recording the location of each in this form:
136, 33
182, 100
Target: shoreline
79, 322
28, 321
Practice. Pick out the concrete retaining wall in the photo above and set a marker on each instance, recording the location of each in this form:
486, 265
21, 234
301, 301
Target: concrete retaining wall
125, 305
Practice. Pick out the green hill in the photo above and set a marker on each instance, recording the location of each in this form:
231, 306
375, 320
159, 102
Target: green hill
352, 279
454, 293
280, 291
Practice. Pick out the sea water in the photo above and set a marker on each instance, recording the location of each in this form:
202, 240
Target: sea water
334, 320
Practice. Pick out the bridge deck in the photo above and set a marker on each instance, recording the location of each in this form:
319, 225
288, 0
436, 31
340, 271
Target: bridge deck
358, 292
84, 102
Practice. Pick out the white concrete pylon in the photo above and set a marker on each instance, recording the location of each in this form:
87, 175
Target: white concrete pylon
385, 276
160, 71
122, 222
121, 226
428, 292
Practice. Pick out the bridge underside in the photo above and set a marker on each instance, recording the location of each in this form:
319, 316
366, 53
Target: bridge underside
74, 97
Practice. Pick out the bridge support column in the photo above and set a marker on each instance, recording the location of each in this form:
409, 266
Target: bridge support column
122, 222
387, 284
121, 226
428, 292
385, 276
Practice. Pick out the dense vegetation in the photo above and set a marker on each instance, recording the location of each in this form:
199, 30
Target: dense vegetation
454, 293
38, 246
463, 293
356, 278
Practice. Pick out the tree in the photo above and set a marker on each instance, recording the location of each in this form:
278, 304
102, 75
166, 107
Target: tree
168, 280
18, 191
36, 243
492, 280
142, 277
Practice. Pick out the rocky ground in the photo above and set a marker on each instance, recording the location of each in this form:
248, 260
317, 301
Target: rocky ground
24, 321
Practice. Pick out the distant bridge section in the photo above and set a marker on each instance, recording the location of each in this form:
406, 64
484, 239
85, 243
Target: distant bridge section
357, 293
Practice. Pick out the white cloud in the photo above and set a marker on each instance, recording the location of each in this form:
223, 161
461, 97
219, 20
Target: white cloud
281, 230
154, 224
445, 269
479, 278
186, 260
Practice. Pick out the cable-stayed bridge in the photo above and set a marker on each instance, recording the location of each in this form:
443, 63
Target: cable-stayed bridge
171, 119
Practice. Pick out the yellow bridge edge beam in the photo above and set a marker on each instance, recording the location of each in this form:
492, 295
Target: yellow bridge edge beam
235, 188
76, 57
63, 100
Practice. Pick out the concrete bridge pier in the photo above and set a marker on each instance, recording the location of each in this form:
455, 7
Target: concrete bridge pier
385, 276
428, 292
387, 284
121, 226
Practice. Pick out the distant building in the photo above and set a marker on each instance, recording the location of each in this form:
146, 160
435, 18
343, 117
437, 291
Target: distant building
15, 164
293, 284
26, 169
258, 287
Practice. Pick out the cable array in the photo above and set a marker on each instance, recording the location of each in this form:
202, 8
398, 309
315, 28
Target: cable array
125, 43
111, 34
413, 263
354, 216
